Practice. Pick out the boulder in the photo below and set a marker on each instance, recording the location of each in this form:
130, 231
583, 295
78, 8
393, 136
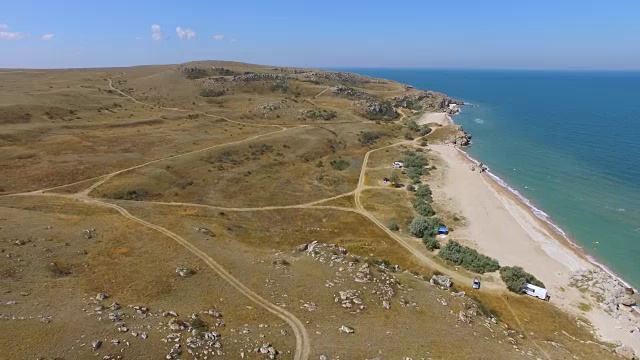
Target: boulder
441, 281
346, 329
626, 352
627, 300
101, 296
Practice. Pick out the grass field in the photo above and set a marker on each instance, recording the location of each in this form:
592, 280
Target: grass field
121, 181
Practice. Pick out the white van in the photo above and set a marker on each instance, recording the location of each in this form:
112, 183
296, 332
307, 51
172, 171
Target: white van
536, 291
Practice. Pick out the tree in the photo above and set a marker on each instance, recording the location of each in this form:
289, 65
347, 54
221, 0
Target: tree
516, 278
394, 178
468, 258
419, 225
393, 226
431, 243
423, 208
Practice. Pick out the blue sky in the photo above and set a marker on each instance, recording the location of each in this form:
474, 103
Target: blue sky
457, 34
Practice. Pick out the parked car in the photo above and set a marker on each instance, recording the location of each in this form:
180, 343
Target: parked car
476, 283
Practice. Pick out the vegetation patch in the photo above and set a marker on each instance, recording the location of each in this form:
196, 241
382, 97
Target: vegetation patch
319, 114
516, 278
368, 138
340, 164
468, 258
212, 93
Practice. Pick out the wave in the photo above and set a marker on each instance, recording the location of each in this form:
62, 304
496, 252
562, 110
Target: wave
547, 219
478, 121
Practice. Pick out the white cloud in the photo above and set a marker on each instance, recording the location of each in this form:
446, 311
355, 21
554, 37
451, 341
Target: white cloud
156, 32
7, 35
218, 37
138, 38
233, 40
48, 37
185, 33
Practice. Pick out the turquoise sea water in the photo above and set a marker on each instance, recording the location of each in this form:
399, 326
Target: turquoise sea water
568, 141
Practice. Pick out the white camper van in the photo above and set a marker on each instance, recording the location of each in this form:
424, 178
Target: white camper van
536, 291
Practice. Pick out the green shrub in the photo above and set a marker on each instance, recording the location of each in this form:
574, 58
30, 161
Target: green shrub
413, 126
394, 178
321, 114
393, 226
369, 137
425, 131
408, 136
468, 258
423, 208
431, 243
418, 226
411, 188
424, 192
340, 164
515, 277
211, 93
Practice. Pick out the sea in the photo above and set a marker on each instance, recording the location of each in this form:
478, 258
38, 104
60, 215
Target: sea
567, 142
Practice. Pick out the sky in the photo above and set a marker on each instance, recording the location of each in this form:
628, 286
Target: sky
474, 34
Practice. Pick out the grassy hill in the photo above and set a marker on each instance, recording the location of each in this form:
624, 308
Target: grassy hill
184, 193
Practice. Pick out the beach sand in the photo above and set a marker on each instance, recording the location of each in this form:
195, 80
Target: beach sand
501, 226
440, 118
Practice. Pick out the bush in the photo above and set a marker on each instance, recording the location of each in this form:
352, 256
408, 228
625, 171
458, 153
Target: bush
468, 258
425, 131
410, 187
423, 208
369, 137
424, 192
394, 178
413, 126
408, 136
516, 278
339, 164
211, 93
320, 114
431, 243
393, 226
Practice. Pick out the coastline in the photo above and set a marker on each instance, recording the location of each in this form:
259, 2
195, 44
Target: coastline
526, 236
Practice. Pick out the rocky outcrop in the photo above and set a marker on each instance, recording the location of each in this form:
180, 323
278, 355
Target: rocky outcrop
462, 138
425, 101
259, 77
319, 77
351, 93
376, 110
441, 281
625, 352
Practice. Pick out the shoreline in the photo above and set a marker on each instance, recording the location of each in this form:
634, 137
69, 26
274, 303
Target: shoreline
546, 219
504, 224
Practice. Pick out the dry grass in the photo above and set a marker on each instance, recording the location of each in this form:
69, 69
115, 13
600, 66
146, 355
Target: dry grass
62, 127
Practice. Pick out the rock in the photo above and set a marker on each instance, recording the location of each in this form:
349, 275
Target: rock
386, 305
205, 231
115, 306
303, 247
441, 281
169, 313
346, 329
184, 271
144, 335
95, 345
101, 296
627, 300
458, 294
626, 352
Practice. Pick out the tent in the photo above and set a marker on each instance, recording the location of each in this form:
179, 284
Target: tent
442, 230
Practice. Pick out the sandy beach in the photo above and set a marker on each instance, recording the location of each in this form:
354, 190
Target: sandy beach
501, 226
440, 118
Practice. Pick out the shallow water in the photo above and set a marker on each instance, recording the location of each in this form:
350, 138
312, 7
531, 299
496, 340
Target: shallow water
568, 141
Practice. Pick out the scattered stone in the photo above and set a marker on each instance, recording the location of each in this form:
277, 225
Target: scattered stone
205, 231
441, 281
626, 352
95, 345
184, 271
101, 296
346, 329
21, 242
89, 233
